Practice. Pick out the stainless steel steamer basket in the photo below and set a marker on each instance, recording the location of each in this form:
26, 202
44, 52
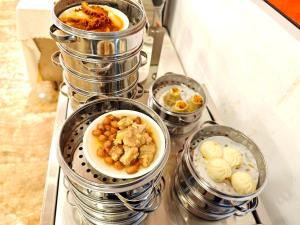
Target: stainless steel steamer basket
100, 44
237, 136
183, 185
99, 69
108, 205
70, 155
198, 196
173, 118
175, 129
108, 87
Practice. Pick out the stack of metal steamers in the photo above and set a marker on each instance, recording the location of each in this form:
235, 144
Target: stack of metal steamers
97, 64
100, 63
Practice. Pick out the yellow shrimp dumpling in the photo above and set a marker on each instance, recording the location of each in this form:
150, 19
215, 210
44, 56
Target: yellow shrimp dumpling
218, 170
173, 95
233, 157
211, 150
243, 183
195, 102
180, 106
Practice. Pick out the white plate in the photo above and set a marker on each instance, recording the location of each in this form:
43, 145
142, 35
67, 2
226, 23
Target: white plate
90, 145
115, 11
118, 13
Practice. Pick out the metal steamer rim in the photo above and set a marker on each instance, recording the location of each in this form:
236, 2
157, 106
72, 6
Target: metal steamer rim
132, 29
101, 59
180, 80
83, 92
193, 142
194, 204
86, 176
95, 79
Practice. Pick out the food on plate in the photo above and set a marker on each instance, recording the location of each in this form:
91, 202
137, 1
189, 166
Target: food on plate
180, 106
195, 102
211, 150
218, 170
92, 18
233, 157
125, 142
243, 183
172, 96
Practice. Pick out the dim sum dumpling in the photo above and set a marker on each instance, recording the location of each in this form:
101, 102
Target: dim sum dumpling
233, 157
218, 170
172, 96
211, 150
195, 102
180, 106
243, 183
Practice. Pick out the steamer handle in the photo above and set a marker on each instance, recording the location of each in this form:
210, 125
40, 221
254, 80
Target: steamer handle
61, 86
151, 208
133, 201
179, 155
140, 91
55, 59
95, 97
61, 38
69, 201
250, 206
97, 69
144, 58
208, 122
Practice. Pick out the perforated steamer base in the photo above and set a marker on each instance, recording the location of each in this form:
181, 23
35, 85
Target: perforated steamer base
75, 158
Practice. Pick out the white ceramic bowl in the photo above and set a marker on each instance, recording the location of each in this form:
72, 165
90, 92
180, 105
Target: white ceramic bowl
90, 145
115, 11
118, 13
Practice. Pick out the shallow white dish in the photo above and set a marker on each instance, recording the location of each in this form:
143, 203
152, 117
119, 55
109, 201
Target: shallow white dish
118, 13
90, 145
115, 11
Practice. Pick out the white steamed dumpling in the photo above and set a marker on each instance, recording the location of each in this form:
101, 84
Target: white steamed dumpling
218, 170
243, 183
233, 157
211, 150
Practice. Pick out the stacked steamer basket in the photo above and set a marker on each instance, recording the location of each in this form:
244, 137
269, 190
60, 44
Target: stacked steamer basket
100, 63
177, 123
200, 197
101, 199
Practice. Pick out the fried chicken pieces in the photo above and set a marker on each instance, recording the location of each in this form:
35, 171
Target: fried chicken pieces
92, 18
125, 142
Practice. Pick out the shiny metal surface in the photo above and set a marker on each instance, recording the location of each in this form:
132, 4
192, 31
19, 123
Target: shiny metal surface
71, 136
113, 87
198, 196
79, 98
50, 194
100, 44
100, 69
177, 123
237, 136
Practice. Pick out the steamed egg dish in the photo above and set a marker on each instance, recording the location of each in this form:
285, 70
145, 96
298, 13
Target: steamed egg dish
228, 166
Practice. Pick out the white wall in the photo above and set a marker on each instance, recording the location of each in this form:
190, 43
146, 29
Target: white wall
251, 65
